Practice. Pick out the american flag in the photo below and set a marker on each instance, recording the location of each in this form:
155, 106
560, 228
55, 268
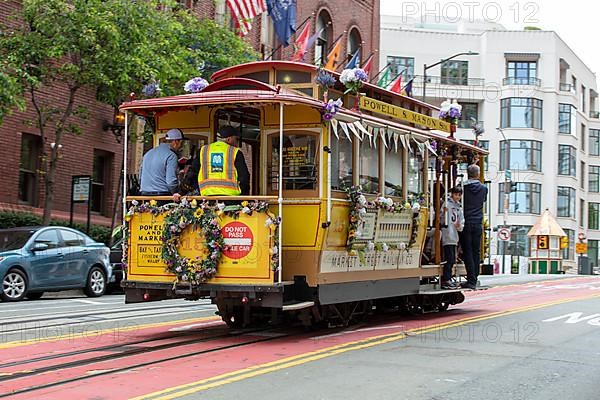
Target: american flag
244, 11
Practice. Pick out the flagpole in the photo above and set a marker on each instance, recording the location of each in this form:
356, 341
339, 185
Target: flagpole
347, 62
297, 29
379, 73
407, 83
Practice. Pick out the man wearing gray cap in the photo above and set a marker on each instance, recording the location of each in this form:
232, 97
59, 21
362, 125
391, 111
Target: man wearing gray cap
158, 172
220, 166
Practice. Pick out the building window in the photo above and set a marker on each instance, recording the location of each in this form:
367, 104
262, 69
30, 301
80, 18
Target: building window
566, 112
524, 155
325, 29
519, 241
594, 179
566, 202
582, 173
31, 146
525, 200
470, 112
100, 173
521, 72
405, 66
521, 112
582, 138
368, 164
455, 73
568, 253
594, 138
593, 214
354, 42
593, 252
341, 164
566, 160
582, 213
583, 105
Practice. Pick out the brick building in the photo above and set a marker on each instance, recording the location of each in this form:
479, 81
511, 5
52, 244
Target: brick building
97, 152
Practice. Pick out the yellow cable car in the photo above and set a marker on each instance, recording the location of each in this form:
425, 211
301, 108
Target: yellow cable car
339, 207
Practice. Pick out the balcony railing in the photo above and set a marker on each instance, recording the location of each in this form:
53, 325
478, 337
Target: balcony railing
450, 80
595, 114
514, 81
566, 87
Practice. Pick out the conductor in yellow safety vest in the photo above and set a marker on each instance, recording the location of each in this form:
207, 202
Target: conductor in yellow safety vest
221, 167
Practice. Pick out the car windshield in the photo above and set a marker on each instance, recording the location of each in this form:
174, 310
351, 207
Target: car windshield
13, 240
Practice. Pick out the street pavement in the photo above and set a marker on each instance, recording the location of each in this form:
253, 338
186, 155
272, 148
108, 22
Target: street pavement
527, 337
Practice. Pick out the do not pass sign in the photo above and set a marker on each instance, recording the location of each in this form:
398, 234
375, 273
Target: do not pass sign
238, 240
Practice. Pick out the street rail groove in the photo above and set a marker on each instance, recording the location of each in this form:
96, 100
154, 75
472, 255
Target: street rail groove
97, 373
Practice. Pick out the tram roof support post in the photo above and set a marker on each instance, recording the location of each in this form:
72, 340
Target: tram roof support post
125, 142
280, 195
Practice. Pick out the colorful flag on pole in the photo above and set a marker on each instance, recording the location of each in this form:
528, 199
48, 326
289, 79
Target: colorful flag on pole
333, 57
368, 65
283, 14
397, 86
408, 88
244, 11
353, 63
384, 80
302, 43
313, 39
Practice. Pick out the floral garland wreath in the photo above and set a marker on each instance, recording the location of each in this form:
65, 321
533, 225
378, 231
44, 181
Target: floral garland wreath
358, 211
204, 216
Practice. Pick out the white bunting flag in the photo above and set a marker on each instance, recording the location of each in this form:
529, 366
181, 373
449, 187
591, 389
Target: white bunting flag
334, 126
345, 129
396, 141
361, 127
354, 131
383, 137
428, 144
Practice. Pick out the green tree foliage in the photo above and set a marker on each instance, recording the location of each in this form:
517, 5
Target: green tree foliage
111, 46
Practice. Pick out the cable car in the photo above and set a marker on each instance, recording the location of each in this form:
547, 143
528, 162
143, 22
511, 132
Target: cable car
339, 210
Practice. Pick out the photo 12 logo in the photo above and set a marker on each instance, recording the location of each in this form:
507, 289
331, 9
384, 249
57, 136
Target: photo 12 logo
453, 11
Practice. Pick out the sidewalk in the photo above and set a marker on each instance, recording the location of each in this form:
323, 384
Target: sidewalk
502, 280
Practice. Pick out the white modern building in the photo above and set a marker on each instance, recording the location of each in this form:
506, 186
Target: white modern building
536, 100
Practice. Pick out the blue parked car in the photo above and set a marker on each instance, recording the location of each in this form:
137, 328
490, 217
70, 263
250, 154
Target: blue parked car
34, 260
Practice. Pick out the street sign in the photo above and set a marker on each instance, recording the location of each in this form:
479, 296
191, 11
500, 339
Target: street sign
504, 234
543, 242
581, 236
81, 188
581, 248
507, 175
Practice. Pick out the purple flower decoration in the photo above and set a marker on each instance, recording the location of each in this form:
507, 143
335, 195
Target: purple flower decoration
331, 108
361, 74
325, 79
151, 89
195, 85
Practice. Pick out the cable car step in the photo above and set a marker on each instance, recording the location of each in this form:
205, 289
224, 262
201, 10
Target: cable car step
298, 306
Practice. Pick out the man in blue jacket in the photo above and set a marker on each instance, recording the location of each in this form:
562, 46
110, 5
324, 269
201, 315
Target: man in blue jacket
475, 194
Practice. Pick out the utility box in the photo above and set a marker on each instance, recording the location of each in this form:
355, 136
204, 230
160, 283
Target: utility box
584, 267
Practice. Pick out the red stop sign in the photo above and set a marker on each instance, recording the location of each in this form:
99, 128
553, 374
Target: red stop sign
238, 240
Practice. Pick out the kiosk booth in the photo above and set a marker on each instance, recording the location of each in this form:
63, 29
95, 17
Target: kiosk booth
546, 245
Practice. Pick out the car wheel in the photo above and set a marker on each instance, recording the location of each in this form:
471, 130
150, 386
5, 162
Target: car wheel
96, 283
14, 286
34, 295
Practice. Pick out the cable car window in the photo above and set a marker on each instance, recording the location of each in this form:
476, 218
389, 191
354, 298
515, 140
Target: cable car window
262, 76
369, 166
393, 172
299, 162
286, 77
415, 172
341, 163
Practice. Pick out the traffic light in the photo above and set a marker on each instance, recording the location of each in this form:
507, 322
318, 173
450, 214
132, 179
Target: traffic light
513, 186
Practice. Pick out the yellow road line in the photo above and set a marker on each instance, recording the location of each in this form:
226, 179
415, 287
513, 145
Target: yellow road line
261, 369
98, 332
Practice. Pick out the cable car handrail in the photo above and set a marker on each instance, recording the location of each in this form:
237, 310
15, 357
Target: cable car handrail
207, 198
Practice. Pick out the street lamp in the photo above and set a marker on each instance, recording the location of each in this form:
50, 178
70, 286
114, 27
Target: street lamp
507, 187
426, 67
117, 126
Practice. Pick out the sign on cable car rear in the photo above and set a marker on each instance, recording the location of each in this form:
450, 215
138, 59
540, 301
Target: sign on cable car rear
244, 258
